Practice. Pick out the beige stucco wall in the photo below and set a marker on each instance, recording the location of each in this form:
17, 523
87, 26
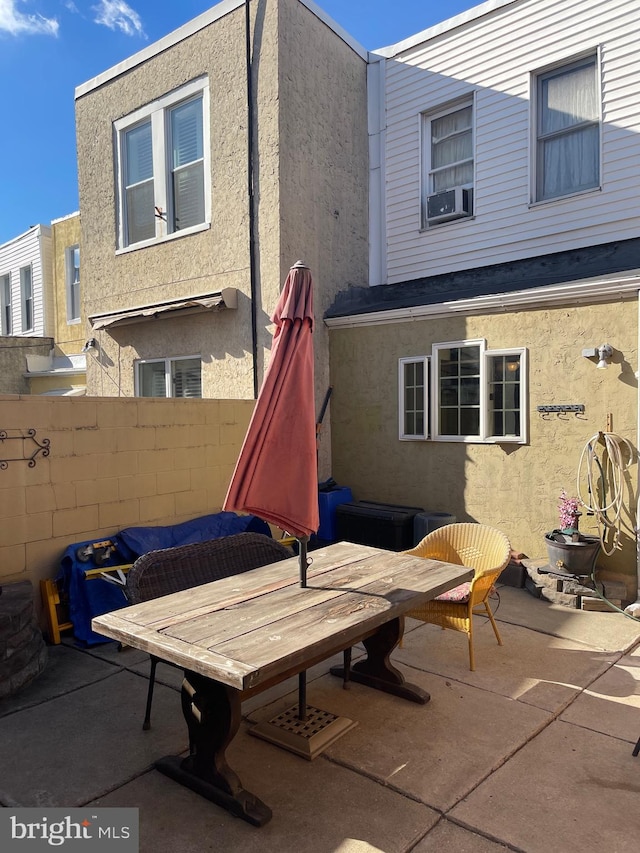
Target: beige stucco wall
324, 171
197, 263
513, 487
13, 361
310, 184
112, 464
69, 337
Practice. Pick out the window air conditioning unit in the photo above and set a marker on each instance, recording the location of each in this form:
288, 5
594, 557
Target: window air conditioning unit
449, 204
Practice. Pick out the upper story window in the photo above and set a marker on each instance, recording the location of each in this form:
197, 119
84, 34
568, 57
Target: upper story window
169, 377
448, 164
72, 274
26, 298
163, 167
464, 392
568, 129
6, 319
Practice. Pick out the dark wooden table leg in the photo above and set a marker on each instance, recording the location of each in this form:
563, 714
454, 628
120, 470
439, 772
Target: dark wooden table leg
376, 670
212, 712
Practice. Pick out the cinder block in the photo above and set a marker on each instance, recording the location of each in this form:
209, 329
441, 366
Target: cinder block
513, 575
591, 603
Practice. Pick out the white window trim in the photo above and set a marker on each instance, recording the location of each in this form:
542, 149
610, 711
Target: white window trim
167, 371
23, 300
426, 361
425, 118
435, 391
533, 136
68, 270
432, 400
523, 438
6, 329
156, 111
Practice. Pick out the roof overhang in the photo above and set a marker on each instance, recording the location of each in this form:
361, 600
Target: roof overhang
583, 292
220, 299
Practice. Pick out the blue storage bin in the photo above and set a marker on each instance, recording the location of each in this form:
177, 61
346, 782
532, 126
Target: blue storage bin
327, 503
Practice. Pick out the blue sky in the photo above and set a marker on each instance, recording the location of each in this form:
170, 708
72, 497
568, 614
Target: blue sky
48, 47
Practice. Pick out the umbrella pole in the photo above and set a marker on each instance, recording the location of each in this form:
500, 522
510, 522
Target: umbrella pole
302, 696
303, 541
302, 677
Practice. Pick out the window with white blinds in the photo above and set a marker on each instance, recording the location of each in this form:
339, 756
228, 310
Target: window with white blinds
163, 167
169, 377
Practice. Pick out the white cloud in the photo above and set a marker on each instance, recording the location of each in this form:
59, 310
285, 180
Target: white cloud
118, 15
15, 22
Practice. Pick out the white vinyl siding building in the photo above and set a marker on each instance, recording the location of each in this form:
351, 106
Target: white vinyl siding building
26, 284
500, 57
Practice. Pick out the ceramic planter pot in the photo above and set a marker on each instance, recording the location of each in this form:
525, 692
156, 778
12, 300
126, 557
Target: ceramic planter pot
574, 558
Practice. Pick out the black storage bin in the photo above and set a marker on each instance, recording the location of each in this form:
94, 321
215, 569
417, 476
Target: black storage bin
388, 526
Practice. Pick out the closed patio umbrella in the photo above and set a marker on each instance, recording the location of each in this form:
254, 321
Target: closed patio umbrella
276, 476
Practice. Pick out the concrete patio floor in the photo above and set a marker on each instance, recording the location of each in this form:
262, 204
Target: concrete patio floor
532, 752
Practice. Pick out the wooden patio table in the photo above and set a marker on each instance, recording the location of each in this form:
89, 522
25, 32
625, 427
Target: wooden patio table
237, 636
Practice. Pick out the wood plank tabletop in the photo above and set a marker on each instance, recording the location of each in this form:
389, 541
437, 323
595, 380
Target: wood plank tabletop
248, 628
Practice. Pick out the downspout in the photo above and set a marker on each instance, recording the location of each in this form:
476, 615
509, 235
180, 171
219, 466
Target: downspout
250, 195
634, 608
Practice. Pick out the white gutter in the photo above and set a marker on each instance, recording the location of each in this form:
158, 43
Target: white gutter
567, 293
634, 608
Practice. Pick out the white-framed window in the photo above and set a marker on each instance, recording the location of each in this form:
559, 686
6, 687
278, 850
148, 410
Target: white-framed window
26, 298
72, 274
457, 389
169, 377
568, 115
448, 163
464, 392
507, 402
163, 167
413, 402
6, 318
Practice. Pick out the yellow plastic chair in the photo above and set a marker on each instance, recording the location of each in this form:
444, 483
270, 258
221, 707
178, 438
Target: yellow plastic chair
479, 547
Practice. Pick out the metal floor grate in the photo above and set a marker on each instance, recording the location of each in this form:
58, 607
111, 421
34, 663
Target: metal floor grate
306, 738
317, 720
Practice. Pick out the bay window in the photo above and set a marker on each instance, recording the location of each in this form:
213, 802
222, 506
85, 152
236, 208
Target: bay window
464, 392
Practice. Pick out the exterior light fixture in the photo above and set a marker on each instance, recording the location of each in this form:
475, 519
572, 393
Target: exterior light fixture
604, 356
90, 346
603, 353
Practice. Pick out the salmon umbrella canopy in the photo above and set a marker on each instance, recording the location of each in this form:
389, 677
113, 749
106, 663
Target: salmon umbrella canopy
276, 476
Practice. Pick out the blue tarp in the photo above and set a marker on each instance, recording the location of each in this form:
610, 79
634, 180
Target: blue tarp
89, 598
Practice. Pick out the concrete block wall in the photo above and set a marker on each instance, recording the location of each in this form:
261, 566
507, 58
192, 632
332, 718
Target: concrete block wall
112, 463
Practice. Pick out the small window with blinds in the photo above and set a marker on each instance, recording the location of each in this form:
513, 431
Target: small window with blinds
163, 167
169, 377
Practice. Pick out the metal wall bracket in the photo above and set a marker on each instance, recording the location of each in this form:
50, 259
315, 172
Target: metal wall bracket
578, 408
28, 438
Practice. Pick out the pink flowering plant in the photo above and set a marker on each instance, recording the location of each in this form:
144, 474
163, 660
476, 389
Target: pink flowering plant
568, 510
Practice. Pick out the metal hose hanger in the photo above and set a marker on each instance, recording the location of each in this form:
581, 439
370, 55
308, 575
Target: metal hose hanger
616, 456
